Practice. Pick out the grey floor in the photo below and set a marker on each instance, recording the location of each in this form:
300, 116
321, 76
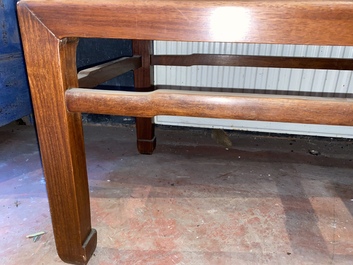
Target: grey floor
201, 198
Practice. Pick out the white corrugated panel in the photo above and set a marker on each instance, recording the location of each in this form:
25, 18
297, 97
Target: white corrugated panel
251, 78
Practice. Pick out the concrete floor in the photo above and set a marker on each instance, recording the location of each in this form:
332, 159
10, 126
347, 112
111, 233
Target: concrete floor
264, 200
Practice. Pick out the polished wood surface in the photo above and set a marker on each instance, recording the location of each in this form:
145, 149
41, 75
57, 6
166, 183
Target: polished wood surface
49, 29
51, 70
253, 61
242, 106
279, 21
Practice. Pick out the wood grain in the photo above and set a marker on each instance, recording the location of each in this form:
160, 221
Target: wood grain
51, 70
253, 61
49, 29
213, 105
321, 22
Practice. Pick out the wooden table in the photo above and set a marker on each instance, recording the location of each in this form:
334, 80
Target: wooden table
50, 32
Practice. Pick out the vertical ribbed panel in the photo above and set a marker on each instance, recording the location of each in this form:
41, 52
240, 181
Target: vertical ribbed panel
252, 78
255, 77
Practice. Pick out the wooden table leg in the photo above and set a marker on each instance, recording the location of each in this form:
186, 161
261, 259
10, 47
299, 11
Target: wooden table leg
146, 140
51, 66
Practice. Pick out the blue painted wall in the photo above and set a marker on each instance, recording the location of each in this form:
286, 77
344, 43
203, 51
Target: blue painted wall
14, 93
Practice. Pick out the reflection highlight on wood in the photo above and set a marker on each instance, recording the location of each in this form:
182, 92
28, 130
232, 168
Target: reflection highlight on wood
50, 29
212, 105
318, 22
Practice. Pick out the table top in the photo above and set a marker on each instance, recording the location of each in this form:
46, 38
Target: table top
316, 22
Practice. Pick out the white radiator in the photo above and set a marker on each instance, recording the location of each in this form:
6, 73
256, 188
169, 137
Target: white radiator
250, 78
